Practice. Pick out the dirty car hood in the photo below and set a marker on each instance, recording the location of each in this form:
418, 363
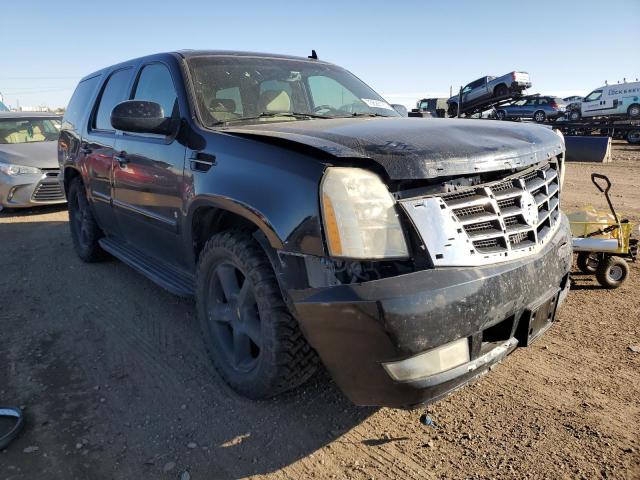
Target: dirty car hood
415, 148
35, 154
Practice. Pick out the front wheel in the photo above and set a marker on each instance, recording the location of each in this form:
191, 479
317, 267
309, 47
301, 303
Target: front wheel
633, 137
501, 115
612, 272
252, 339
539, 116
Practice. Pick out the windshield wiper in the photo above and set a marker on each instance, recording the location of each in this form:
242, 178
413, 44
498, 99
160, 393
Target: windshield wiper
367, 114
271, 114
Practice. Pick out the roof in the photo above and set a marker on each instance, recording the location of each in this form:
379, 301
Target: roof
202, 53
29, 115
236, 53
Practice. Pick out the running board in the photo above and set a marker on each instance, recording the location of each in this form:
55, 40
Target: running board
166, 276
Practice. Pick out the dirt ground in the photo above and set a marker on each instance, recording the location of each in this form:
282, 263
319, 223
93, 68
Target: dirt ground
115, 382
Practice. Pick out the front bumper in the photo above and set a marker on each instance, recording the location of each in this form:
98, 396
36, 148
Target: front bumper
357, 327
22, 191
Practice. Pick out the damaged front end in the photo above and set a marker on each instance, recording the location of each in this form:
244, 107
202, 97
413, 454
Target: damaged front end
488, 264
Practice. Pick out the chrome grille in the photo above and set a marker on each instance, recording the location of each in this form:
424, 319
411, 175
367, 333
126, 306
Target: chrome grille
48, 192
510, 218
512, 214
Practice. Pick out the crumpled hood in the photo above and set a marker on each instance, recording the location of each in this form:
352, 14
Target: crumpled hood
417, 148
35, 154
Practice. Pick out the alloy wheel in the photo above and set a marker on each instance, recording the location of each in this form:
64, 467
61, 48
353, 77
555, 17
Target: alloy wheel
81, 221
616, 273
234, 317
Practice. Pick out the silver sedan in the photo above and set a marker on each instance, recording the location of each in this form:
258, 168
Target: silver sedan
28, 160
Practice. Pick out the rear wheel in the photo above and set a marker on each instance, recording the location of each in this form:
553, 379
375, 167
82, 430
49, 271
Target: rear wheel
612, 272
85, 231
539, 116
252, 339
633, 137
500, 91
453, 110
634, 111
588, 262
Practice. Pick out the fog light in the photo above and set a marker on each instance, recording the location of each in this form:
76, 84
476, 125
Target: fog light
430, 362
11, 193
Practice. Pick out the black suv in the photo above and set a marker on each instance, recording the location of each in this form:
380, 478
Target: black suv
309, 219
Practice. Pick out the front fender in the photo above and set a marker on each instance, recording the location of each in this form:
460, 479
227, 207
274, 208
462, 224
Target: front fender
274, 188
240, 208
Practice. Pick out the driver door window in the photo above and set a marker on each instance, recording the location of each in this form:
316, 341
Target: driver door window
155, 85
327, 92
593, 96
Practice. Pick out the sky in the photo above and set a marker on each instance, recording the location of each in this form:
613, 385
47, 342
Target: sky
405, 50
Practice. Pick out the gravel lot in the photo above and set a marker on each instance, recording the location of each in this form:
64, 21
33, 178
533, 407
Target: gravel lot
115, 382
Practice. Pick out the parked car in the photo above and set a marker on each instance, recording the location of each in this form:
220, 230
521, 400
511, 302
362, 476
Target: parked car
573, 107
620, 100
28, 160
437, 107
309, 219
486, 90
538, 107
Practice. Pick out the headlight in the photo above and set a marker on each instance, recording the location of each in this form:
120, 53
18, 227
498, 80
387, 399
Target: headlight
14, 170
360, 219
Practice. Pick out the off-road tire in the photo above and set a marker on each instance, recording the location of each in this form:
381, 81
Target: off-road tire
612, 272
539, 116
587, 262
285, 359
85, 231
500, 91
634, 111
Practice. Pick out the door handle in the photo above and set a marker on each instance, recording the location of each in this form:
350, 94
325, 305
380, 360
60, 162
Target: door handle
122, 159
202, 162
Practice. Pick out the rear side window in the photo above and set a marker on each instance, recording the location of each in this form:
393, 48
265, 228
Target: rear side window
79, 103
543, 101
115, 91
155, 85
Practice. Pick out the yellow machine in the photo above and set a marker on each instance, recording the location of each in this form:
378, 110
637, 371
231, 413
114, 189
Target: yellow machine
603, 245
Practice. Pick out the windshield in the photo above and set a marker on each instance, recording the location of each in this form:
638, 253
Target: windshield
252, 89
28, 130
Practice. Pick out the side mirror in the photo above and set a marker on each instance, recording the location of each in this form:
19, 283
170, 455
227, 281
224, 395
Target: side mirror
401, 109
140, 116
